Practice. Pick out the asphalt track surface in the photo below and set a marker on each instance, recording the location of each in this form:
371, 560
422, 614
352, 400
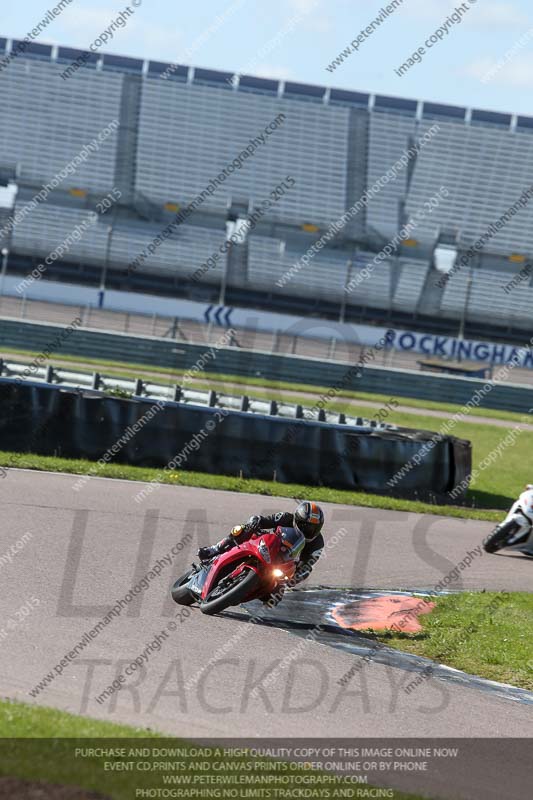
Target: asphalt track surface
88, 548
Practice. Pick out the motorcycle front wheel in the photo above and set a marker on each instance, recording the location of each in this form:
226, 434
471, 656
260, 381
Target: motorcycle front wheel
499, 536
180, 593
248, 583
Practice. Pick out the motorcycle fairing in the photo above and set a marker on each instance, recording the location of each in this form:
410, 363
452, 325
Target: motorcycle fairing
246, 551
197, 581
521, 512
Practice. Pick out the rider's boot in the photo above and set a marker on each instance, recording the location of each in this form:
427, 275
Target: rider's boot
206, 553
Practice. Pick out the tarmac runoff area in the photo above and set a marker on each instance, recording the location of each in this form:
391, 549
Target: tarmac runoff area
211, 677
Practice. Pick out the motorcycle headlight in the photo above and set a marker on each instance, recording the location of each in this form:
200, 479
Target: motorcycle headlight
278, 573
263, 549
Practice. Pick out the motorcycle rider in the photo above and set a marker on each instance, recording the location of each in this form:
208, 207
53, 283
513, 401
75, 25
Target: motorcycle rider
515, 530
308, 519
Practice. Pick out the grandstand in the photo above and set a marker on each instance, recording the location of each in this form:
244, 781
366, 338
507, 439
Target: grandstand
175, 134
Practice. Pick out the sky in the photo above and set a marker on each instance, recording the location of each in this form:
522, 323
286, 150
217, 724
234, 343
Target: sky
485, 60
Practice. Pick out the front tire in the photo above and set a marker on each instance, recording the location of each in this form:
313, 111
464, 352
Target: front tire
247, 586
499, 536
180, 593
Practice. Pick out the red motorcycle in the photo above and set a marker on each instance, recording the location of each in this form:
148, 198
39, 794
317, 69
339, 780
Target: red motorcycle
250, 571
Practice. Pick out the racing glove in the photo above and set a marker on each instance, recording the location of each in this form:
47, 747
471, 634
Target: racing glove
253, 524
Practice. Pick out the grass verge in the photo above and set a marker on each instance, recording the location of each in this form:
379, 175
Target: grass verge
250, 486
21, 721
50, 755
489, 634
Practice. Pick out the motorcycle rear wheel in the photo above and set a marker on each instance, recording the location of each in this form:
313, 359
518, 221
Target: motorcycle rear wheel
247, 586
180, 593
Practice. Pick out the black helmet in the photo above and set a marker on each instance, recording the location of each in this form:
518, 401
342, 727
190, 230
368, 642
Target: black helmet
309, 519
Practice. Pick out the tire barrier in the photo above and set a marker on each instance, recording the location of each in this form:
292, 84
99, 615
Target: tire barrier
48, 420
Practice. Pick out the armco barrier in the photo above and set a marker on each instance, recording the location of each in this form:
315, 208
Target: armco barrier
151, 389
48, 420
287, 368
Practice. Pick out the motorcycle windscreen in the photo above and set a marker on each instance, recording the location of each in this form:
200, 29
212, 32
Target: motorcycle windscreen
292, 544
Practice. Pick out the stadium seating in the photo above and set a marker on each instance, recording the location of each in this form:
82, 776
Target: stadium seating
486, 295
189, 133
485, 170
46, 121
48, 226
398, 282
179, 133
388, 139
410, 285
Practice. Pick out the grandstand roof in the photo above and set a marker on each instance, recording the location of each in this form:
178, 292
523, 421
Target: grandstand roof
304, 91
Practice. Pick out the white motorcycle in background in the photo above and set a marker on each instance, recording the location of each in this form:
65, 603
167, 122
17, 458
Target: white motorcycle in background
516, 531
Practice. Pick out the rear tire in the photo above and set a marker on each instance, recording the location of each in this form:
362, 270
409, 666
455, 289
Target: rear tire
180, 593
233, 597
499, 536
